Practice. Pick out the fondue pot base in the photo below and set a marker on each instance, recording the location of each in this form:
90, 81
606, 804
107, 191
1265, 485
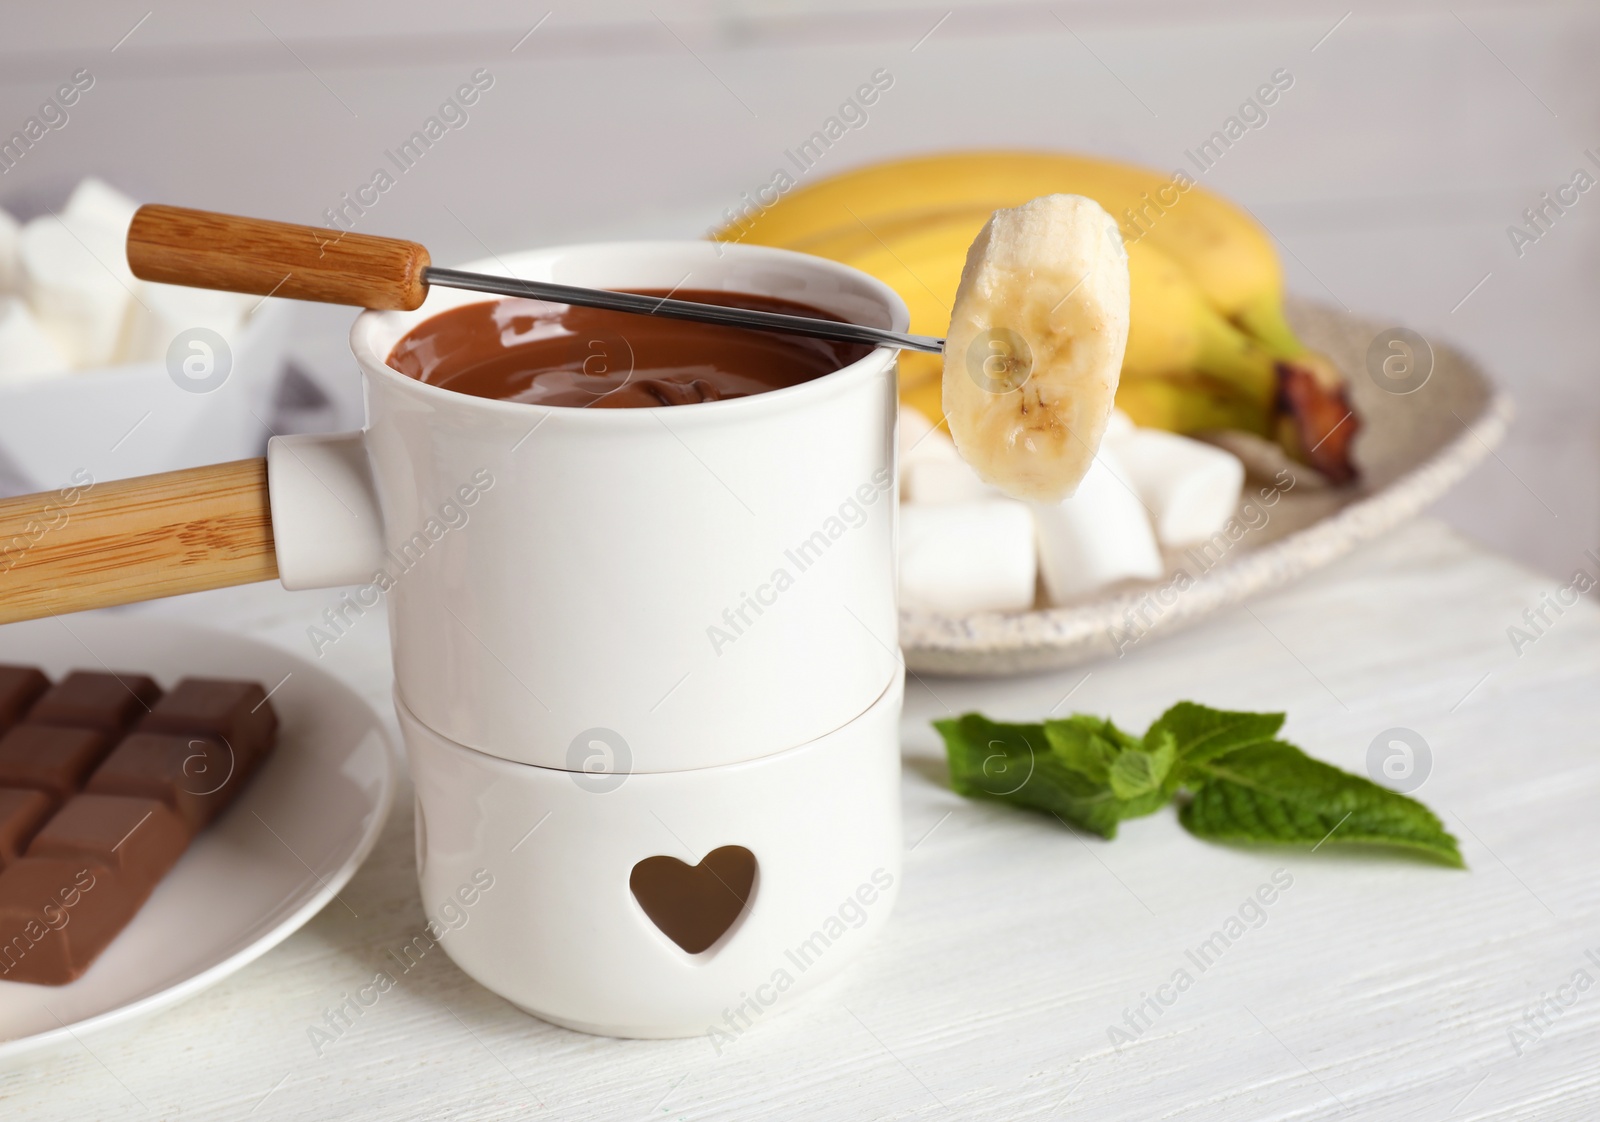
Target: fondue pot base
669, 904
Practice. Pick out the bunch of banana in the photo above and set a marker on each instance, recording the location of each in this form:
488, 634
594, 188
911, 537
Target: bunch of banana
1208, 344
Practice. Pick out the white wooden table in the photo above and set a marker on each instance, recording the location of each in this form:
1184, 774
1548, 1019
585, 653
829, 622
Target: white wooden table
1373, 988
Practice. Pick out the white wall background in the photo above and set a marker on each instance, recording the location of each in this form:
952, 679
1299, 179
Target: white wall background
1413, 136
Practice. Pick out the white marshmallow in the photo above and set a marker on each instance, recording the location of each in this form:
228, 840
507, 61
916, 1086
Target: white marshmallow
935, 480
1118, 426
920, 442
912, 426
100, 215
26, 352
74, 287
95, 202
1096, 537
163, 310
957, 558
10, 278
1191, 488
108, 243
921, 439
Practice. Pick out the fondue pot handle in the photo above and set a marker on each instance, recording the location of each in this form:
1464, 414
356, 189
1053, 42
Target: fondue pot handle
94, 544
308, 515
174, 245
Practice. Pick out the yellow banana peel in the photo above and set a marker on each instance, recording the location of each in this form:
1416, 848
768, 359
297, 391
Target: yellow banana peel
1206, 284
1189, 405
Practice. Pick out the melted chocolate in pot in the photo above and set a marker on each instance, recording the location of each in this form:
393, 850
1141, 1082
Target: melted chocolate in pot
554, 354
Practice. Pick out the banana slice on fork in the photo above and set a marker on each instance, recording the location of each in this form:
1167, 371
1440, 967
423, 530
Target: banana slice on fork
1035, 345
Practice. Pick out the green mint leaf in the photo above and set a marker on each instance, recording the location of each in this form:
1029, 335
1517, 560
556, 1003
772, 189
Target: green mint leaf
1092, 746
1163, 748
1244, 784
1274, 792
1088, 744
1016, 764
1202, 733
1081, 744
1143, 779
1082, 725
1137, 772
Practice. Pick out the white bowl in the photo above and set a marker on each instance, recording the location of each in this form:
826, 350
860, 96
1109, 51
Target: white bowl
136, 419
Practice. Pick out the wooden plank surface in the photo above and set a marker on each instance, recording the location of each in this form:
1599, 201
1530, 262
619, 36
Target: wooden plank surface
1374, 988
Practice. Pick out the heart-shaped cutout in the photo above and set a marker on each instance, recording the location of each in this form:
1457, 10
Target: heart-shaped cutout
694, 905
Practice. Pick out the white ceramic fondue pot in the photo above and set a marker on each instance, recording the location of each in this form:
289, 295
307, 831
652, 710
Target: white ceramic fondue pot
704, 583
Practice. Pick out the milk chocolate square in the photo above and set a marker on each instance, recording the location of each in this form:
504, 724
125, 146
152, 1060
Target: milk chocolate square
195, 776
21, 814
20, 687
237, 713
86, 699
57, 760
57, 915
137, 839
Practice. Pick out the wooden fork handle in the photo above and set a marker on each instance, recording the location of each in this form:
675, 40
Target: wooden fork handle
174, 245
94, 544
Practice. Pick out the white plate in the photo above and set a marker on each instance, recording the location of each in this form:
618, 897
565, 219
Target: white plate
1412, 448
296, 835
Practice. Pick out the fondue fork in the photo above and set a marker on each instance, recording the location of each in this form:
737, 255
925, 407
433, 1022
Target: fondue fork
175, 245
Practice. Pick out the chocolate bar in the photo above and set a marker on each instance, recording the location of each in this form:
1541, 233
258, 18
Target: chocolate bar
137, 839
20, 687
86, 699
93, 815
235, 713
57, 916
193, 776
21, 815
46, 758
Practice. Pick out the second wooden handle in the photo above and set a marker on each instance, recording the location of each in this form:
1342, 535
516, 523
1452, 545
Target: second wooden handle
174, 245
93, 544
